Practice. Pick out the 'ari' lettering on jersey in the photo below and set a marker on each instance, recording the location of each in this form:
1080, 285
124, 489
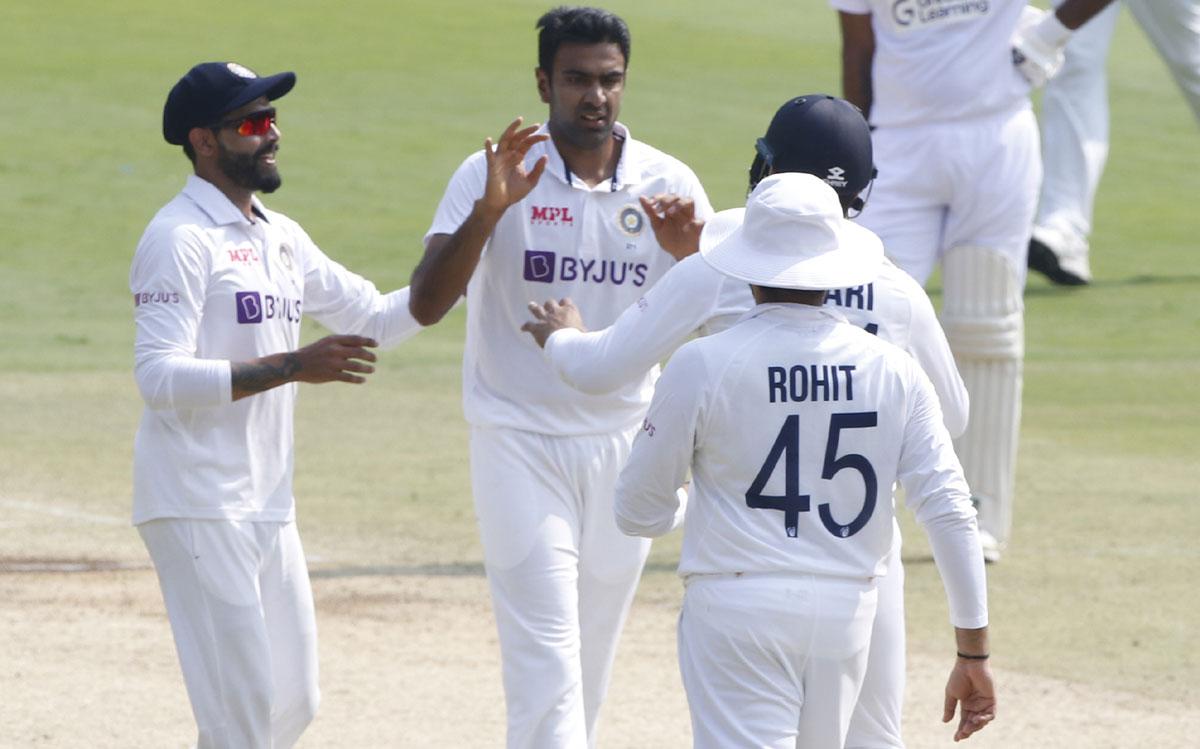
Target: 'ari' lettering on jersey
858, 297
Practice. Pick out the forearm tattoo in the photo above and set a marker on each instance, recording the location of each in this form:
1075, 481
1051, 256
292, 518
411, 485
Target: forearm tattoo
256, 377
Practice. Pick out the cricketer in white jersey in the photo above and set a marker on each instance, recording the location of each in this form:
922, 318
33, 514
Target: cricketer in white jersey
552, 211
956, 145
219, 285
790, 422
826, 137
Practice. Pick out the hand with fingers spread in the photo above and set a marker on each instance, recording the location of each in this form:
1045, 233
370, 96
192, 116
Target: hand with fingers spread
441, 277
334, 358
507, 179
971, 689
673, 218
550, 317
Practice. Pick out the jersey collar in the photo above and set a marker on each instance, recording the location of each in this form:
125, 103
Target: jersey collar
219, 209
795, 312
628, 170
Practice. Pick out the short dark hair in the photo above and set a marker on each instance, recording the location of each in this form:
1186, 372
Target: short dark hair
579, 25
811, 297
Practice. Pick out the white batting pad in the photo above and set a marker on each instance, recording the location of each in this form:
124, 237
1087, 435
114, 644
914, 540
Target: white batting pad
983, 315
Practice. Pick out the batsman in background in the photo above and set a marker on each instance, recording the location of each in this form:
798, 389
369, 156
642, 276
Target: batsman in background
552, 211
791, 423
219, 283
827, 138
959, 170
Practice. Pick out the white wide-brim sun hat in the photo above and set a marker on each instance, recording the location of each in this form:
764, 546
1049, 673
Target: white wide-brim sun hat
792, 235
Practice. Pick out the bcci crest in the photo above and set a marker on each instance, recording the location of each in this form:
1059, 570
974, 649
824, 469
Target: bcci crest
631, 220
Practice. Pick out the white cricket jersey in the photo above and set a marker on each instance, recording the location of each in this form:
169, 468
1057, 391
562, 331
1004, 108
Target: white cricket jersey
941, 60
795, 424
564, 239
695, 297
211, 287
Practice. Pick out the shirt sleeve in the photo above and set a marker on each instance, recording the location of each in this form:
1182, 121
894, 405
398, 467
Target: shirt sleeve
169, 279
928, 345
937, 493
646, 332
345, 302
465, 187
648, 501
695, 191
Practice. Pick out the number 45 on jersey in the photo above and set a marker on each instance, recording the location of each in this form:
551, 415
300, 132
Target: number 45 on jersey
792, 502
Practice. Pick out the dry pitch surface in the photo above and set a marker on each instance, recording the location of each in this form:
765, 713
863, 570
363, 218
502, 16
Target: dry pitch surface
411, 660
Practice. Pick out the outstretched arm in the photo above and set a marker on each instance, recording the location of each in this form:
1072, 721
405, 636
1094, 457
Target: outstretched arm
450, 259
334, 358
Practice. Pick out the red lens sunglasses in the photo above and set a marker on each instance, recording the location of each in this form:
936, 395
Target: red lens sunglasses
256, 123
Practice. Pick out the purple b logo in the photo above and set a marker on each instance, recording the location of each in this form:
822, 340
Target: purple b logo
249, 307
539, 266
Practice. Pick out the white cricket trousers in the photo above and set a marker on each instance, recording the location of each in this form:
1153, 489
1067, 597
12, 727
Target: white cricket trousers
1074, 112
561, 574
241, 610
943, 185
876, 721
773, 660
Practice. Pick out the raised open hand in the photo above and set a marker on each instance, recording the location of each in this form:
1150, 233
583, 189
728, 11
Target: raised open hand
507, 178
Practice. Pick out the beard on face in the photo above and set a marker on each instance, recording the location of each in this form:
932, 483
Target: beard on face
245, 170
565, 125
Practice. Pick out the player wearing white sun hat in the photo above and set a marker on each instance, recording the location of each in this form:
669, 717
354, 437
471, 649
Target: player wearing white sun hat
791, 423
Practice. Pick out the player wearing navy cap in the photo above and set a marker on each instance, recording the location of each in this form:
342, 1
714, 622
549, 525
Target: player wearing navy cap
219, 285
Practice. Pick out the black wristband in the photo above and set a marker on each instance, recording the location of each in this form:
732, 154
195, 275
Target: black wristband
983, 657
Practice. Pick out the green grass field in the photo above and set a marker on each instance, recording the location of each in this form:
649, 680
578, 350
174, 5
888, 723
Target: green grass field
1099, 585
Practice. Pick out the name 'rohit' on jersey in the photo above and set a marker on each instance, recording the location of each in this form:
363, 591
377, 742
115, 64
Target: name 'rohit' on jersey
811, 382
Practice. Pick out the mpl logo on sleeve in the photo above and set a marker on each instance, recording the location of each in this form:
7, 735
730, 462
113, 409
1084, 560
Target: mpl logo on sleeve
915, 15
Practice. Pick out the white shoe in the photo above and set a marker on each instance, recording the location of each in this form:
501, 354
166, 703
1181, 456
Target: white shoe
1061, 257
991, 547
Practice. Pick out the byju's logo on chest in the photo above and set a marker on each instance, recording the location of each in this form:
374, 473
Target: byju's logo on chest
254, 308
539, 266
548, 267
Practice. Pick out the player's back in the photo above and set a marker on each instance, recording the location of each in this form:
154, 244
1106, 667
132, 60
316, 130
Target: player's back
798, 441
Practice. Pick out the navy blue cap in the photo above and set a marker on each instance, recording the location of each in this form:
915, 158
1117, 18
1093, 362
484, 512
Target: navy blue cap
824, 136
212, 89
